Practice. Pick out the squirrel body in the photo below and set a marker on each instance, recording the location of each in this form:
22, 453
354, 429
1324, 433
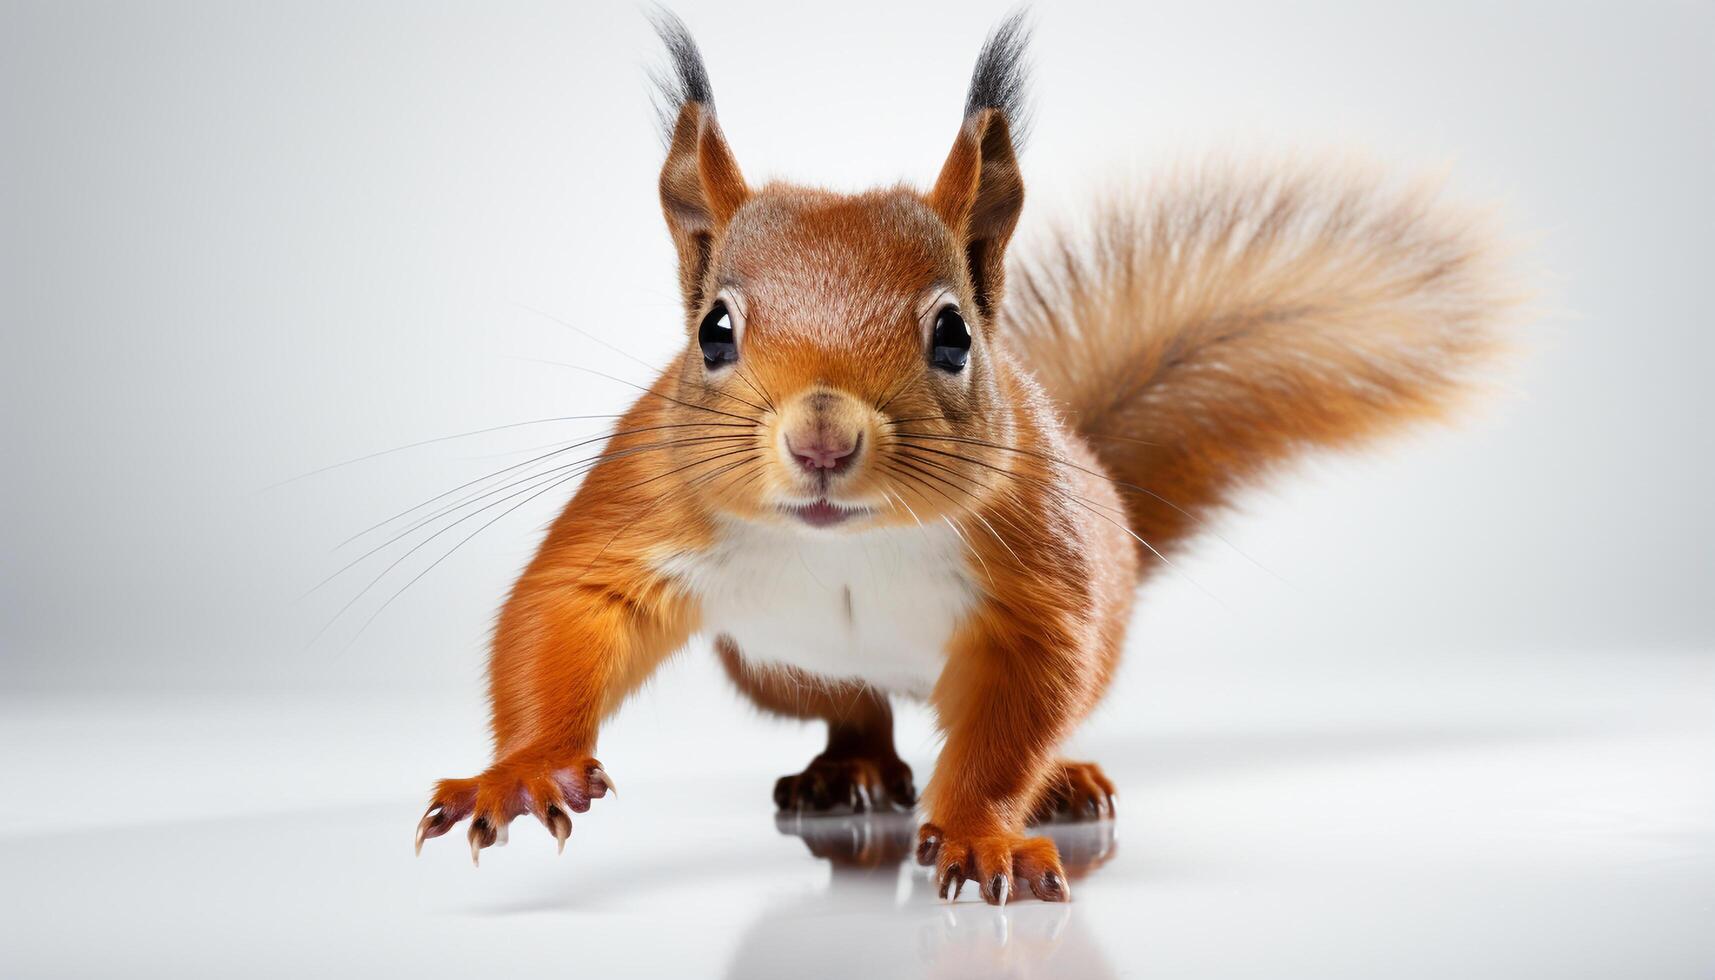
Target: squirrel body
875, 607
878, 469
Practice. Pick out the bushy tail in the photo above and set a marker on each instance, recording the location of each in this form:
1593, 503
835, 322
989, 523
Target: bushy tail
1218, 324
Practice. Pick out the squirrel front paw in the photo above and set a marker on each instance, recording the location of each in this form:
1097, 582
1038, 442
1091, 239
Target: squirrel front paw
550, 790
998, 863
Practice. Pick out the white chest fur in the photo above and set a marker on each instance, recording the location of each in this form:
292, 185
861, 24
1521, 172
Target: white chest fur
876, 606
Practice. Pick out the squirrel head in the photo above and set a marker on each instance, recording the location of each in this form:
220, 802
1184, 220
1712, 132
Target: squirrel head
857, 332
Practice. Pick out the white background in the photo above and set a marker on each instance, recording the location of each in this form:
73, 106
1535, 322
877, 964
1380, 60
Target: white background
239, 243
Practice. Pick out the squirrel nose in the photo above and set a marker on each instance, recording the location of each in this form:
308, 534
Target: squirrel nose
825, 450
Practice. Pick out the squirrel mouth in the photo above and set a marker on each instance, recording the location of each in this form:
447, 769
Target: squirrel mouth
825, 513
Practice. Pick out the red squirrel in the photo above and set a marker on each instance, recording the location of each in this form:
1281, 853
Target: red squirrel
892, 461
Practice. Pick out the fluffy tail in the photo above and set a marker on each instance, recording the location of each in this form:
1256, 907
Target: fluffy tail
1222, 324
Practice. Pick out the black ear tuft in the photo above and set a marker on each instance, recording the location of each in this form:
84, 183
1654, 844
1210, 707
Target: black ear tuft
999, 79
684, 78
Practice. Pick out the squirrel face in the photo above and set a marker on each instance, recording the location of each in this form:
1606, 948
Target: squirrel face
852, 334
838, 323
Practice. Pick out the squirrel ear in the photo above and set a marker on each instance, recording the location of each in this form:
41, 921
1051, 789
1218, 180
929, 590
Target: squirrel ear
701, 186
979, 195
980, 192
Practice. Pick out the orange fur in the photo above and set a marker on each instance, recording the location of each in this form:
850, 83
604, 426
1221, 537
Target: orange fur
1215, 323
1134, 378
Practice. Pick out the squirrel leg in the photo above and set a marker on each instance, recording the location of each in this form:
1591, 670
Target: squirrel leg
1004, 704
859, 771
565, 655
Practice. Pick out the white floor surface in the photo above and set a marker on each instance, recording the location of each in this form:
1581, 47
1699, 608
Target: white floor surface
1542, 816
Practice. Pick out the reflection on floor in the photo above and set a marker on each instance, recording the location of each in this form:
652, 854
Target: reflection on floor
872, 864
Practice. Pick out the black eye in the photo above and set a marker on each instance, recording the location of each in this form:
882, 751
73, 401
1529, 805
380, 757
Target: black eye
950, 344
715, 337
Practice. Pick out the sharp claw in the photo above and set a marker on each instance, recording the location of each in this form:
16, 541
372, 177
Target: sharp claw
481, 835
423, 828
1000, 889
598, 774
561, 827
952, 883
1054, 888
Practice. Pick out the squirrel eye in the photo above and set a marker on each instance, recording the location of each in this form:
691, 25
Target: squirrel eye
950, 343
716, 338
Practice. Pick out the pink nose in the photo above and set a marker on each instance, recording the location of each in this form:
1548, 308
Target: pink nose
824, 451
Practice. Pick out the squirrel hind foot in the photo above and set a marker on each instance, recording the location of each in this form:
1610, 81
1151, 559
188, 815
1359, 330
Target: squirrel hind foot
1075, 792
